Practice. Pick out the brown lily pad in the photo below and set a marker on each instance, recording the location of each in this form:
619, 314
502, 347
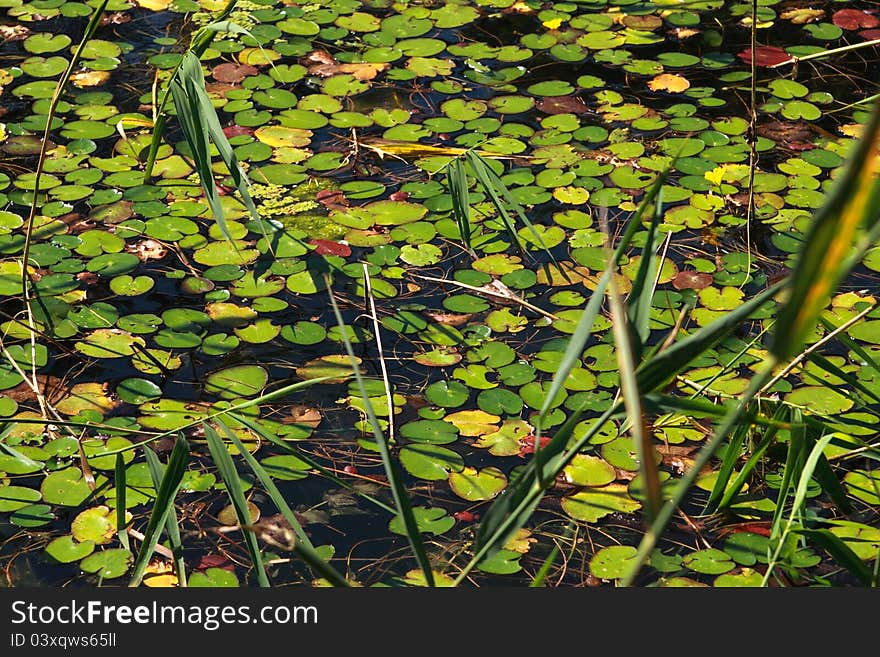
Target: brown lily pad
233, 73
562, 105
692, 279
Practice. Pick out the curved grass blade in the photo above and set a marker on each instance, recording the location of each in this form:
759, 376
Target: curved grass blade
392, 472
499, 194
165, 494
157, 473
632, 399
852, 204
642, 295
229, 475
456, 178
800, 496
200, 125
303, 547
840, 552
198, 46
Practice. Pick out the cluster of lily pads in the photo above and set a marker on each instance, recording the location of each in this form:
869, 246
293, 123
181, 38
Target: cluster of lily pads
146, 319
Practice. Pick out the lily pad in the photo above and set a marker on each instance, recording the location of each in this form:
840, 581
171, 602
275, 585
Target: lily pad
237, 381
612, 562
107, 564
429, 520
66, 549
97, 525
476, 485
430, 462
593, 504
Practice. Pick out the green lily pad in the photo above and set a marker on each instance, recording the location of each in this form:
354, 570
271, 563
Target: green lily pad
107, 564
586, 470
66, 549
286, 467
709, 562
448, 394
612, 562
437, 432
593, 504
97, 524
430, 462
43, 42
65, 487
338, 367
429, 520
32, 515
213, 578
109, 343
820, 399
477, 485
862, 539
864, 485
237, 381
137, 391
13, 498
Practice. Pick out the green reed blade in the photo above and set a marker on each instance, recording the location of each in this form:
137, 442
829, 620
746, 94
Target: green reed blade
229, 475
852, 204
165, 494
172, 528
840, 552
303, 546
402, 503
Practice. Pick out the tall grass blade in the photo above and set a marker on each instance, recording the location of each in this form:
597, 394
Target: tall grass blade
800, 496
401, 497
202, 39
303, 546
200, 125
157, 473
656, 372
840, 552
456, 178
119, 481
632, 401
165, 494
731, 457
852, 204
642, 296
496, 189
732, 418
794, 463
229, 475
